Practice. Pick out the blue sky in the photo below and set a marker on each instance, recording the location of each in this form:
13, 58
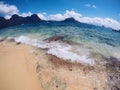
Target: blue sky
97, 12
104, 8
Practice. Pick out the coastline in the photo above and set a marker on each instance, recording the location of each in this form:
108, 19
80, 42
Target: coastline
24, 67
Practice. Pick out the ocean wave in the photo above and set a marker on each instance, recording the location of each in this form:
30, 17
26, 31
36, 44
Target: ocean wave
59, 49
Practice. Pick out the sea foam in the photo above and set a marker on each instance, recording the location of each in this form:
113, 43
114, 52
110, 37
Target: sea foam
0, 38
58, 48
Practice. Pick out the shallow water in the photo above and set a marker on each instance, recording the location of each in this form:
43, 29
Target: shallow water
85, 39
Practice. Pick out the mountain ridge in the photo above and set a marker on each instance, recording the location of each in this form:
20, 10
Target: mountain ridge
19, 20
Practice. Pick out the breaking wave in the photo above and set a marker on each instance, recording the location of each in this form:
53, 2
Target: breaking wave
59, 49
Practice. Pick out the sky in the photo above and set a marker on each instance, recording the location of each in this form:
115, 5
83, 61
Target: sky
100, 12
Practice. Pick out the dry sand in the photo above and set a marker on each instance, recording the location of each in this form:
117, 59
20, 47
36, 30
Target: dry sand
26, 68
17, 67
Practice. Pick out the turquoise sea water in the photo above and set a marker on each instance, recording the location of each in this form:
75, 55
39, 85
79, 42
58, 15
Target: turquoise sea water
85, 39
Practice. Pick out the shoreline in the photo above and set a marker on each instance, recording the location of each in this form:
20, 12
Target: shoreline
25, 67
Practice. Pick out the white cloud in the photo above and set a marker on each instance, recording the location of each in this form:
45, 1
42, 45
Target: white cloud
93, 6
68, 14
87, 5
56, 17
107, 22
90, 6
25, 14
7, 16
42, 16
72, 13
7, 9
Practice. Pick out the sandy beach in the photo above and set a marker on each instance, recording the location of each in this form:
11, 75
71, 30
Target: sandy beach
23, 67
59, 45
17, 67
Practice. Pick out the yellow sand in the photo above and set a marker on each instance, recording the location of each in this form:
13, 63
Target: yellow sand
17, 67
25, 68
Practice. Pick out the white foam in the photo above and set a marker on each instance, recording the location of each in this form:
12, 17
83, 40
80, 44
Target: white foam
66, 54
57, 48
1, 38
9, 38
104, 49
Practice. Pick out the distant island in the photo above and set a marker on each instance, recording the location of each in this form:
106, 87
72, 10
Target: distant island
19, 20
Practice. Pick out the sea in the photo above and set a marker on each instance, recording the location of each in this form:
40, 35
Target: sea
80, 44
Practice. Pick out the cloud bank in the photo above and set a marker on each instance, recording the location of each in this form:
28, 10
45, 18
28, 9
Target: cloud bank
107, 22
42, 15
68, 14
25, 14
8, 10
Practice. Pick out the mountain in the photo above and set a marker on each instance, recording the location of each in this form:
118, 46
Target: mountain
18, 20
3, 22
117, 30
73, 22
70, 20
